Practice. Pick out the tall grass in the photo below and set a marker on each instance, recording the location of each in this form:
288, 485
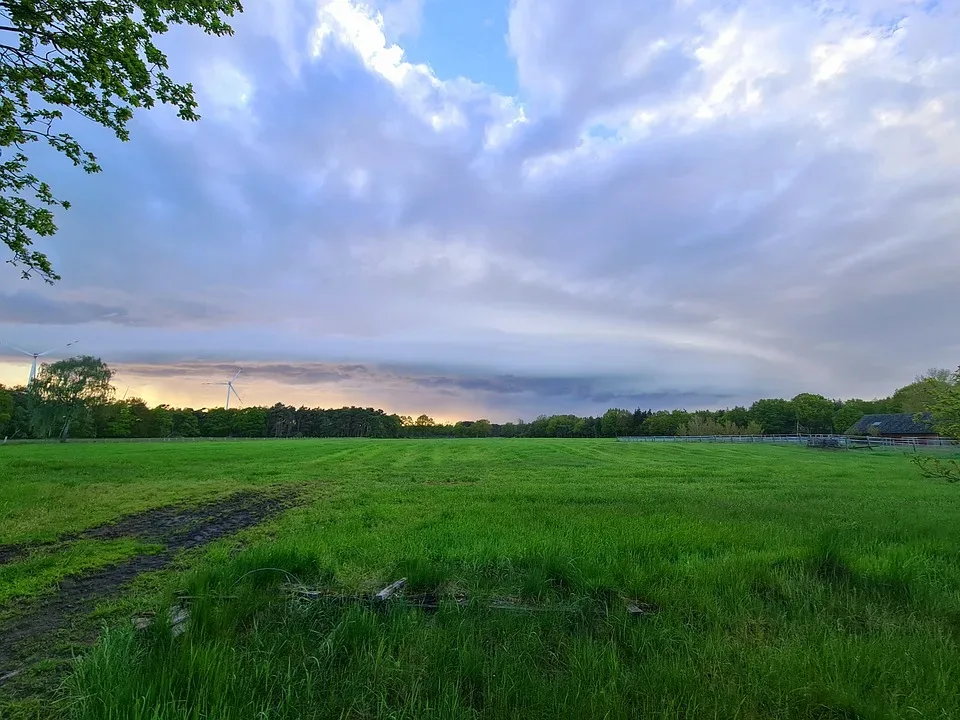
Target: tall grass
789, 583
741, 637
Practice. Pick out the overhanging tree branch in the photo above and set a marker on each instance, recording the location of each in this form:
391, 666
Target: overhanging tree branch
98, 58
935, 468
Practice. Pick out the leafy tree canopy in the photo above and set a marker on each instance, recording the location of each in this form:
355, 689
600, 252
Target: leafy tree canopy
96, 58
814, 412
67, 390
920, 395
666, 423
6, 410
941, 374
946, 407
849, 413
774, 415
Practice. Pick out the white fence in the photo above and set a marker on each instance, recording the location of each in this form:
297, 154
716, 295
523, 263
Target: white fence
837, 440
782, 439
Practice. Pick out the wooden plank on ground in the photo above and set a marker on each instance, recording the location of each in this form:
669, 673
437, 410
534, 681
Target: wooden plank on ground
390, 590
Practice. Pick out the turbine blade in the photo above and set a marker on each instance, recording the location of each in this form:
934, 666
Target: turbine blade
237, 375
14, 347
63, 348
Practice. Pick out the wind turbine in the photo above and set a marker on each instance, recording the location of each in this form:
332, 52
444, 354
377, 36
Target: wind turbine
230, 389
33, 367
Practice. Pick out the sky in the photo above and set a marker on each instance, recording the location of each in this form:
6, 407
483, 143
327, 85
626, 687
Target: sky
482, 208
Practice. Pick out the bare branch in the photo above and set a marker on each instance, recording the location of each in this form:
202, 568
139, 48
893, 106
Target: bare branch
934, 468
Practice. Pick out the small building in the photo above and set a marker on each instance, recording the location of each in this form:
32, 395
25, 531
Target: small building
897, 425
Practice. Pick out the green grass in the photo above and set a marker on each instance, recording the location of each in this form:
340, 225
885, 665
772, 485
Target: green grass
791, 583
42, 569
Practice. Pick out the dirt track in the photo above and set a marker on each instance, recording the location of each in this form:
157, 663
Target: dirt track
175, 527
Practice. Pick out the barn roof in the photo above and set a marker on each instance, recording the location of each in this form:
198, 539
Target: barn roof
895, 424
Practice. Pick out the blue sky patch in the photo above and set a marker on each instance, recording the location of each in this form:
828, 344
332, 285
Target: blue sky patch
465, 38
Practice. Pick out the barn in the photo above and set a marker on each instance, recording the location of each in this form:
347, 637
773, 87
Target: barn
896, 425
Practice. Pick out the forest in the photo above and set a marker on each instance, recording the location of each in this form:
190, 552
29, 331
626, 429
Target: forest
74, 398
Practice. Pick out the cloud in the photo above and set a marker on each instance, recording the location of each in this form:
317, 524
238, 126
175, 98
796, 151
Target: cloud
22, 307
407, 385
687, 201
402, 18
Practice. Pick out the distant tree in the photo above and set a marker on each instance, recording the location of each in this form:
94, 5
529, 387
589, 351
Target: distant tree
538, 428
946, 407
939, 374
920, 395
814, 413
664, 423
96, 58
592, 427
186, 423
6, 411
886, 406
162, 421
639, 418
482, 428
616, 422
562, 426
124, 419
120, 422
143, 426
217, 422
703, 424
65, 393
282, 421
250, 422
738, 416
847, 415
20, 425
775, 416
390, 426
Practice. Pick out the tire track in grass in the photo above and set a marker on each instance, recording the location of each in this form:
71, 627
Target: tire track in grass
29, 636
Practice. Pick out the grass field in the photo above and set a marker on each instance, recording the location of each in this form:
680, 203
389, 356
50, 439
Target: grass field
779, 582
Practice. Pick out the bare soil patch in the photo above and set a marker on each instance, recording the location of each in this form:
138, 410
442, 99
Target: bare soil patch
58, 618
10, 553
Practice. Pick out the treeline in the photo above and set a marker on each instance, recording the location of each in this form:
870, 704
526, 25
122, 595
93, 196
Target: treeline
805, 413
132, 418
74, 397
